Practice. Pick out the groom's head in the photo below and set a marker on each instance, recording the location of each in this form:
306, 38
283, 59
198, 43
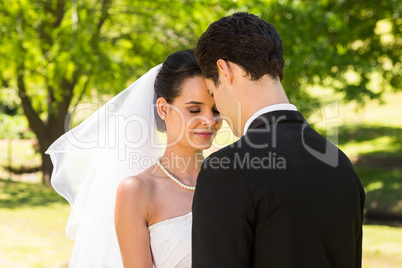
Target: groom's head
244, 39
235, 53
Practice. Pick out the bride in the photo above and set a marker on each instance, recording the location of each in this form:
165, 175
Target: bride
153, 207
129, 171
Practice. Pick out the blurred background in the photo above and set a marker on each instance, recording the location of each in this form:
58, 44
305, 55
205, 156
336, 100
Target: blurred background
60, 60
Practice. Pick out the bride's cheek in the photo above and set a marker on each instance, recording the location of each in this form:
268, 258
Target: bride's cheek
191, 123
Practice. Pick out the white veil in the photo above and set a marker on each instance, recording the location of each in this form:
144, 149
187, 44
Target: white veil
118, 140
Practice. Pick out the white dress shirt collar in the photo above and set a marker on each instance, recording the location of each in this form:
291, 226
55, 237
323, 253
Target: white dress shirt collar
271, 108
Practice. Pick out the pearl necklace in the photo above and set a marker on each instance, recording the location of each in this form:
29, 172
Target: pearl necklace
185, 186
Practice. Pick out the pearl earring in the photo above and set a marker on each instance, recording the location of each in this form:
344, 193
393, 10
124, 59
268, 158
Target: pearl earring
163, 116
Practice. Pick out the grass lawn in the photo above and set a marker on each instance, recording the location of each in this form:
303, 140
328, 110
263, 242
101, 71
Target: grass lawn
383, 189
382, 246
32, 222
33, 219
371, 136
34, 236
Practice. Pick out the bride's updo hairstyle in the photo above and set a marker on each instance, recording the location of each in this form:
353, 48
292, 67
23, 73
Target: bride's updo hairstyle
177, 67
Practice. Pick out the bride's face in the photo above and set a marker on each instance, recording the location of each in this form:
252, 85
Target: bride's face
192, 120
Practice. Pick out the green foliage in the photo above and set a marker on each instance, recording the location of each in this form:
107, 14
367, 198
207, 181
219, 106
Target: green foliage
102, 43
350, 46
9, 102
14, 127
55, 52
107, 44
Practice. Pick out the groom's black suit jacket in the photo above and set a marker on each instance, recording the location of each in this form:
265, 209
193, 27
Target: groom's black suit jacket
304, 210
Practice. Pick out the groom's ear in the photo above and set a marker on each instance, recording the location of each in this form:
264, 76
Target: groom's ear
225, 72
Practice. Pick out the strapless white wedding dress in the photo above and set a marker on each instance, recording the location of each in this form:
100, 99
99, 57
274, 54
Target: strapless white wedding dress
171, 242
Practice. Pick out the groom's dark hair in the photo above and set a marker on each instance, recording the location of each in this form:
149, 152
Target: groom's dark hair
245, 40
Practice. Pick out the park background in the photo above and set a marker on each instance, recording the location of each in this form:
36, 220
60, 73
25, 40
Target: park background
61, 59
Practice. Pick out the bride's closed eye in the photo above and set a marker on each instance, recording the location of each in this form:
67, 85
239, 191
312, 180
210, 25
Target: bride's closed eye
197, 111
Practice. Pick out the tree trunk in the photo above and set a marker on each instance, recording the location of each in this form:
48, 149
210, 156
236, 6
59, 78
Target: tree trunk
51, 134
47, 166
46, 131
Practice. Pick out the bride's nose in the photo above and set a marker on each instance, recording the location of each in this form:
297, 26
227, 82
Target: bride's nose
209, 119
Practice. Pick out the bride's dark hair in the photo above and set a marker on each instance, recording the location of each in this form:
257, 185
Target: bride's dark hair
177, 67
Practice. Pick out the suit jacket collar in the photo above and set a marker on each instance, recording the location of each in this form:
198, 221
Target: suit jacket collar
269, 108
275, 117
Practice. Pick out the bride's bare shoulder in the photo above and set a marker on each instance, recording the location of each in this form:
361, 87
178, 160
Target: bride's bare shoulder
134, 200
141, 183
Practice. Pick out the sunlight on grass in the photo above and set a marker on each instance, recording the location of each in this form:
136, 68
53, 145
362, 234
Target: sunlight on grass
34, 236
364, 139
33, 219
386, 144
373, 113
382, 246
382, 187
374, 186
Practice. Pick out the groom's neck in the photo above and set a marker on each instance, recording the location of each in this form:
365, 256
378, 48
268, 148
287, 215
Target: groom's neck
260, 94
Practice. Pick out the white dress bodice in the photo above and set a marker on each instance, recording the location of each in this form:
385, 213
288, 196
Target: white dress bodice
171, 242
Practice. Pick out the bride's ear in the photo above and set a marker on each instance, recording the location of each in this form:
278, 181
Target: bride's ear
162, 107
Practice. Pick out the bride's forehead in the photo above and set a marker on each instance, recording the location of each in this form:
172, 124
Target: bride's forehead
195, 81
195, 95
194, 88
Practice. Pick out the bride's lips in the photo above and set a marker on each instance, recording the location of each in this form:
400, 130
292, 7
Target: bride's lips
205, 134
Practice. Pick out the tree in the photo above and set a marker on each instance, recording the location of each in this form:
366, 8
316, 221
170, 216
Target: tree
353, 47
54, 52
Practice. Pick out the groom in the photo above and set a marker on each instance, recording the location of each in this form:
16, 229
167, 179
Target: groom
282, 195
